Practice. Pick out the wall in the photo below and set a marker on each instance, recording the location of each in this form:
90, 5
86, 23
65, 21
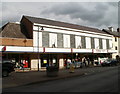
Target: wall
61, 33
16, 42
28, 26
115, 44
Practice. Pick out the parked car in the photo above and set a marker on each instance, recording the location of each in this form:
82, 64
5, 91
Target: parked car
78, 64
7, 67
109, 62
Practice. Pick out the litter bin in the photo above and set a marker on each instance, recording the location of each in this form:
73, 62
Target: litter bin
52, 71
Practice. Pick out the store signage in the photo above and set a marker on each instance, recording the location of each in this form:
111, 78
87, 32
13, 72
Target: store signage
100, 51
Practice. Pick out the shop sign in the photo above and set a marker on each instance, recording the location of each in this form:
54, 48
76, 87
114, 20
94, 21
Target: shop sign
100, 51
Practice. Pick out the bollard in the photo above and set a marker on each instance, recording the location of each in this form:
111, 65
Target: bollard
71, 68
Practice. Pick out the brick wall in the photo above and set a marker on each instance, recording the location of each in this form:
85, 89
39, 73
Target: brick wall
16, 42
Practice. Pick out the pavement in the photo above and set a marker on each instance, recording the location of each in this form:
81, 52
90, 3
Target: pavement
32, 77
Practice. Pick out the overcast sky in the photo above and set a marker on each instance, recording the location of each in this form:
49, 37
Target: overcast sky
92, 14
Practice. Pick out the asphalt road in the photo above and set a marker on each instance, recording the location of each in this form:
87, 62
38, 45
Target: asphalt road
106, 81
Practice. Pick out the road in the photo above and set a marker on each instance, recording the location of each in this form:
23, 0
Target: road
106, 81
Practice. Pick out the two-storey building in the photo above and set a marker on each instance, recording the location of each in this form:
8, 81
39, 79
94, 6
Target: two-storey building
42, 42
115, 40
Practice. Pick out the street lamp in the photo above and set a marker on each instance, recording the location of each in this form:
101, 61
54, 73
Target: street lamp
38, 45
38, 48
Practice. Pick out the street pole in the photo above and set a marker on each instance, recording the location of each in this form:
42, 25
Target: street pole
38, 49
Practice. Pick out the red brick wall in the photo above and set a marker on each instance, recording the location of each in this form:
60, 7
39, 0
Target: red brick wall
16, 42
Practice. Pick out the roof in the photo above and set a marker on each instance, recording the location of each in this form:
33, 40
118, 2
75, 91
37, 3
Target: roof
114, 33
12, 30
61, 24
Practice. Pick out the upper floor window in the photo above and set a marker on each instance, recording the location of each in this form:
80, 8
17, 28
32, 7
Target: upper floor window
115, 39
88, 42
37, 39
66, 41
96, 43
52, 40
115, 47
78, 42
104, 43
110, 44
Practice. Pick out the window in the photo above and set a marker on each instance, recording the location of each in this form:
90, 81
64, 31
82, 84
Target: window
52, 40
104, 43
115, 47
96, 43
115, 39
37, 39
78, 42
110, 44
66, 41
88, 42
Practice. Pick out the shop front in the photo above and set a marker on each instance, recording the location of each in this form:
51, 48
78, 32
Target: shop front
19, 59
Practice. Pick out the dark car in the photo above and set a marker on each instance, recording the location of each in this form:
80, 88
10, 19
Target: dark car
7, 67
78, 64
109, 62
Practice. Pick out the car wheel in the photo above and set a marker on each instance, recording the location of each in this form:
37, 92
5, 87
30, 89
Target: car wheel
5, 73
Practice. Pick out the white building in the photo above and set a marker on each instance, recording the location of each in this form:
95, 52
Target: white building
115, 40
42, 42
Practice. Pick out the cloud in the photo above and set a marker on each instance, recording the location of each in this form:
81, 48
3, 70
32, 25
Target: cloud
93, 14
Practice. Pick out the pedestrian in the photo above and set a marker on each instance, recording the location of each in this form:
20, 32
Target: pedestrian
88, 60
84, 61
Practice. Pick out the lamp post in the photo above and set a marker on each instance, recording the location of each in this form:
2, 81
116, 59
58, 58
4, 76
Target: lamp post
38, 49
38, 45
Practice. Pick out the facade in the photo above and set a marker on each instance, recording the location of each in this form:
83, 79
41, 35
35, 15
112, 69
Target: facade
115, 41
42, 42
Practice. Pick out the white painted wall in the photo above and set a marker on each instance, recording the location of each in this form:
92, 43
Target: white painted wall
69, 29
77, 33
117, 44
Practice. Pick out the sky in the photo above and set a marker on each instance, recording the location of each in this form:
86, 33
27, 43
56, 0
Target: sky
99, 15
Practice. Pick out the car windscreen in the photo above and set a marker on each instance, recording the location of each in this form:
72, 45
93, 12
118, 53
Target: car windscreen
6, 61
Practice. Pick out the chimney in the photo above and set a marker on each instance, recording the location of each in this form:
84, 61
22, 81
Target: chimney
118, 29
110, 28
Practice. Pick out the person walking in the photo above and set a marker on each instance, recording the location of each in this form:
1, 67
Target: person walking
84, 61
88, 60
